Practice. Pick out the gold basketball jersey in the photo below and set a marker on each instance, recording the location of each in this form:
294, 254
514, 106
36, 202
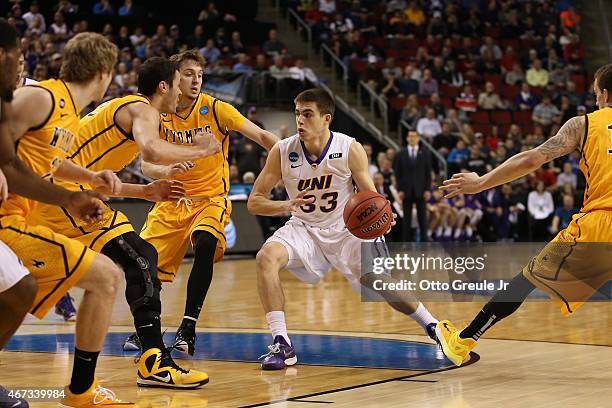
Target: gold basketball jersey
45, 147
210, 176
101, 143
596, 160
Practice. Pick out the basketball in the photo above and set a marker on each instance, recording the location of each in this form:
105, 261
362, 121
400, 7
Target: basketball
368, 215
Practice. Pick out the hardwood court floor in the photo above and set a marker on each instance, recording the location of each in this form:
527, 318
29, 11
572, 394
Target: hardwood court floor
536, 358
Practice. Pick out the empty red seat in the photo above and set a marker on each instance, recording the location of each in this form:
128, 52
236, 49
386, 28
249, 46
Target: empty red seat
522, 118
447, 102
358, 66
580, 82
510, 92
397, 103
501, 117
495, 79
482, 128
480, 117
449, 90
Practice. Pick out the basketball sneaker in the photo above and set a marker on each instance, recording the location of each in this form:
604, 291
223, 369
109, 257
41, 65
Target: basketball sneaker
280, 355
185, 339
6, 401
132, 343
454, 347
431, 332
65, 308
157, 369
95, 396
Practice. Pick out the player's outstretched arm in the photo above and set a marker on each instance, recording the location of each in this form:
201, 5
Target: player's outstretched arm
260, 136
159, 190
15, 119
564, 142
157, 171
145, 128
105, 181
259, 202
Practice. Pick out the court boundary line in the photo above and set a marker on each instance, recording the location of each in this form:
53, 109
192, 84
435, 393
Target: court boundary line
474, 357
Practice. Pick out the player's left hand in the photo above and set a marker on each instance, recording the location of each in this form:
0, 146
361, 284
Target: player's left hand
164, 190
106, 182
461, 183
393, 222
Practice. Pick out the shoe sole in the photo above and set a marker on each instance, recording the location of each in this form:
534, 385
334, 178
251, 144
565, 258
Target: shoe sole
456, 359
130, 347
288, 363
157, 384
183, 348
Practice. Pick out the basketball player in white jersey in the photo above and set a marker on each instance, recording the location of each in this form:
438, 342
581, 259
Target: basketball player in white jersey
318, 168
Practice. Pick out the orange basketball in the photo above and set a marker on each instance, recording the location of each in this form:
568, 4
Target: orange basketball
368, 215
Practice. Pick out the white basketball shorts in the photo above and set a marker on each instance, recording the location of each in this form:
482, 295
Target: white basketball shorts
314, 251
11, 268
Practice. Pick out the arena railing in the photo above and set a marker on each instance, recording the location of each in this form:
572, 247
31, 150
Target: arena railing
305, 26
374, 98
606, 27
335, 64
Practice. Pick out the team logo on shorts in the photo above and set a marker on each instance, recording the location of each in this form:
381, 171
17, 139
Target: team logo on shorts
293, 157
62, 103
37, 264
204, 110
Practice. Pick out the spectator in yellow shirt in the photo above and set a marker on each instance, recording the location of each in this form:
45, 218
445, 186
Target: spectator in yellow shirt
536, 75
414, 15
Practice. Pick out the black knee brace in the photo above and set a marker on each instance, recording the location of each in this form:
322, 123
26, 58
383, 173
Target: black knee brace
138, 259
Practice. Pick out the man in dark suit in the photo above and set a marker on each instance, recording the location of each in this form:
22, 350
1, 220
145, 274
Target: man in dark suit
412, 168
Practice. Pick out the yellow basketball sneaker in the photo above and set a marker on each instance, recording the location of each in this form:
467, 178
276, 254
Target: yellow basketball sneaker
454, 347
96, 396
157, 369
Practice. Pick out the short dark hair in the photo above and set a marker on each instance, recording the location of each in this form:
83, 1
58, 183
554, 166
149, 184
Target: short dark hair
193, 55
8, 35
152, 72
324, 101
603, 76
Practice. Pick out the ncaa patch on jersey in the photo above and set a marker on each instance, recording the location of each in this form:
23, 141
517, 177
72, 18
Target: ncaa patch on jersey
204, 110
293, 156
335, 155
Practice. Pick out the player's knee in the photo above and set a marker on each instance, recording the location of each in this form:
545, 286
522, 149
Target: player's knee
109, 275
268, 260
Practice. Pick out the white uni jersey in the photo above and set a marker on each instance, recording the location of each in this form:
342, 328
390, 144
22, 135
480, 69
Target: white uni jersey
328, 179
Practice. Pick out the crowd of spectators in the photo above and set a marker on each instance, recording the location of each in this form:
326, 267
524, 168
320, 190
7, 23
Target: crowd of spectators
45, 32
479, 81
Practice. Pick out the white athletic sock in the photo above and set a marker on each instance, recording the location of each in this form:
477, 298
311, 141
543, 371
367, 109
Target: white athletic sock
276, 322
457, 233
423, 317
